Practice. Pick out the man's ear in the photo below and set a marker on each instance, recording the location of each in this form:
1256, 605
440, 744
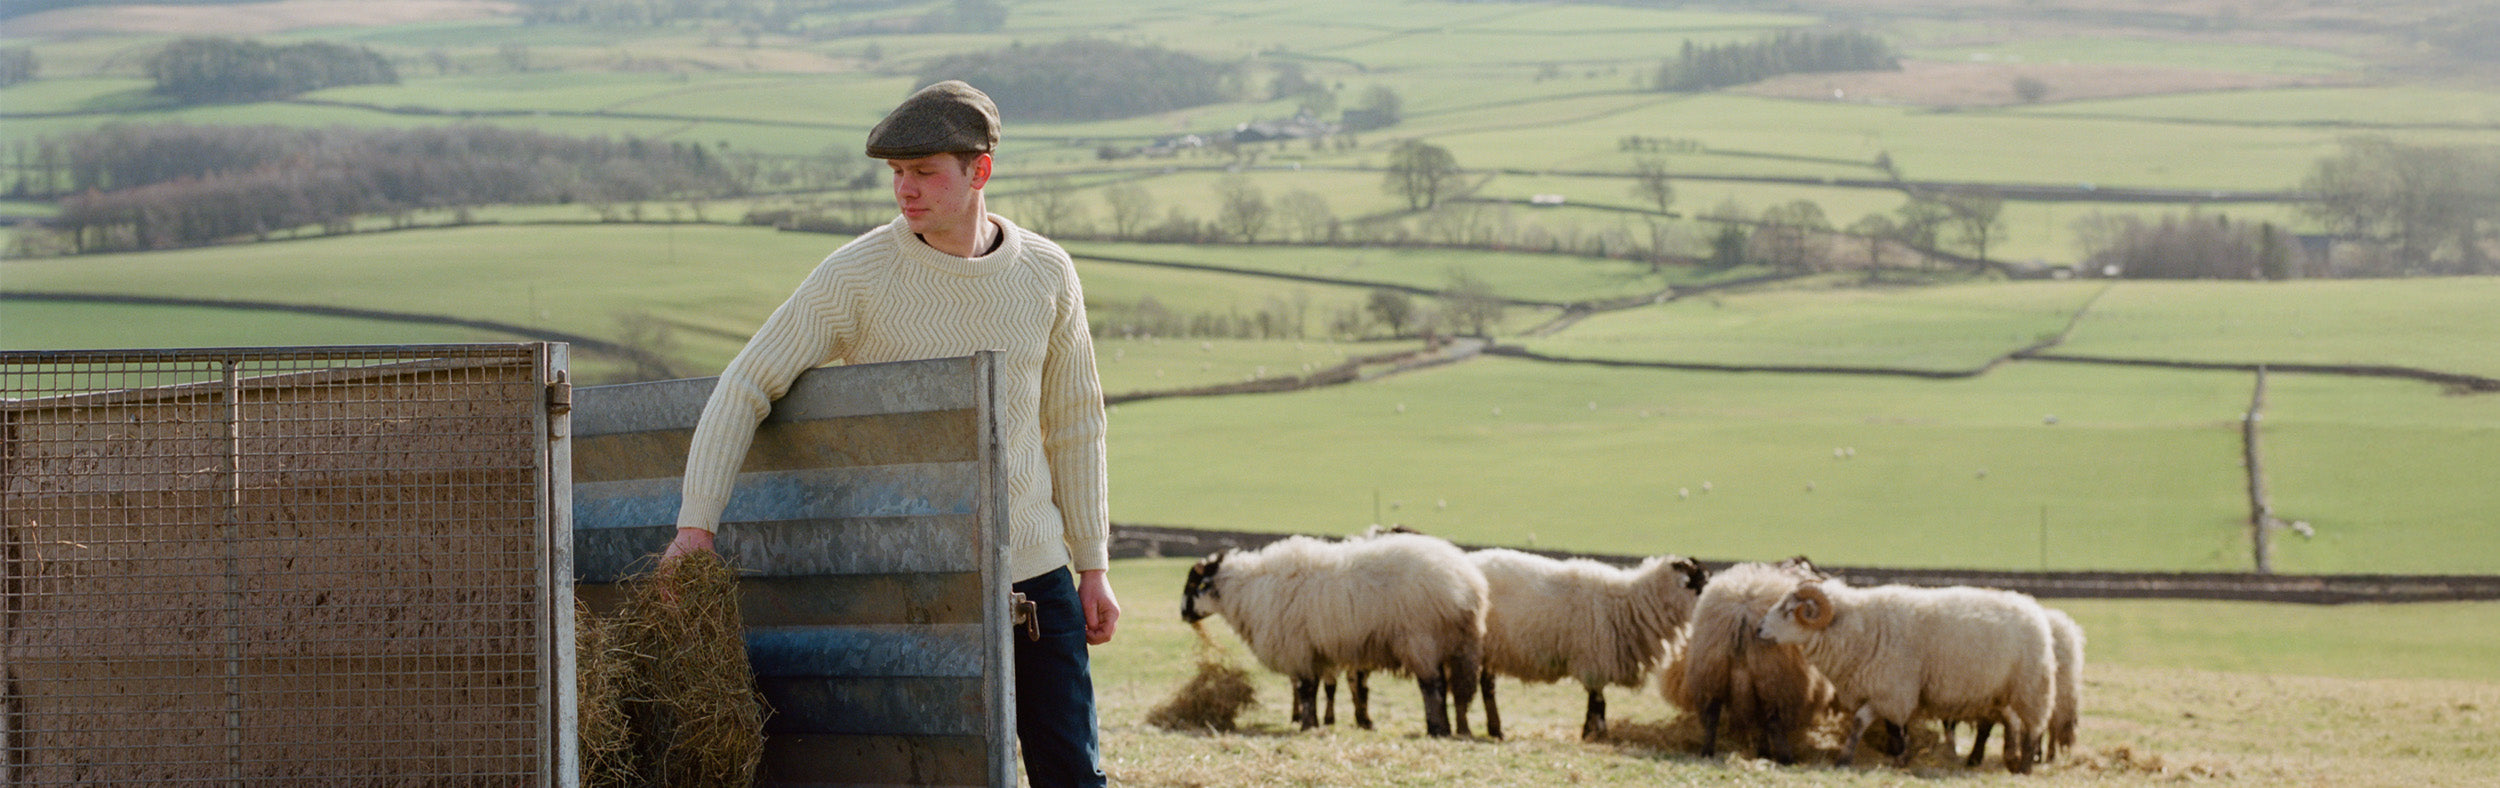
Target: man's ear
980, 171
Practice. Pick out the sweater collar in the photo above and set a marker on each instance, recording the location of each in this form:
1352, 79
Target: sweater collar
1010, 244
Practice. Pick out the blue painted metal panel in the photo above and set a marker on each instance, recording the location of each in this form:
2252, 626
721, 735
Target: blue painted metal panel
951, 651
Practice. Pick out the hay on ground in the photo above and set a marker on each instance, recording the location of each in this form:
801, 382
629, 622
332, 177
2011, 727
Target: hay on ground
1210, 701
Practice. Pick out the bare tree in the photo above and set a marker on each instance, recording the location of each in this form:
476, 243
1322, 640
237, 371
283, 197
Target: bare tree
1244, 209
1874, 230
1974, 213
1649, 182
1421, 172
1792, 236
1472, 303
1307, 212
1052, 206
1131, 207
2437, 205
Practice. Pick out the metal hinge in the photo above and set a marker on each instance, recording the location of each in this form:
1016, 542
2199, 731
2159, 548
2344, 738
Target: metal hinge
560, 395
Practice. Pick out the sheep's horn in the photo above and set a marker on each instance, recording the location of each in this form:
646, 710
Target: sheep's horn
1822, 613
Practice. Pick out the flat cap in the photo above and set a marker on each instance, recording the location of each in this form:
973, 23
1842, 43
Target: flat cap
948, 117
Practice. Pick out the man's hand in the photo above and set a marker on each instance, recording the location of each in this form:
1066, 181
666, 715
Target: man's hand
689, 540
1102, 610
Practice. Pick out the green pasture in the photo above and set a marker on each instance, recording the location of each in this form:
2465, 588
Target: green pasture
2440, 324
2168, 52
1136, 365
1932, 328
2363, 107
1541, 277
2119, 468
1113, 290
39, 325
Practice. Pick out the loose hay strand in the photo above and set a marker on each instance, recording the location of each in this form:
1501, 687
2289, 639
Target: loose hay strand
1213, 699
601, 675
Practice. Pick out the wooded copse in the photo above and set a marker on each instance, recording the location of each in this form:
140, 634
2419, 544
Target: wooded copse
1701, 68
1089, 79
205, 70
161, 186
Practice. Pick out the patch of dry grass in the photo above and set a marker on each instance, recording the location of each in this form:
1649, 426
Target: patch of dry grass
2141, 725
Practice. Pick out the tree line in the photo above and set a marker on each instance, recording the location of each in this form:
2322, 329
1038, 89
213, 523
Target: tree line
161, 186
209, 70
1701, 68
1088, 79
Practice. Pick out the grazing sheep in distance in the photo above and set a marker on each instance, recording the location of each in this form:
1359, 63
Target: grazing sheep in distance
2066, 637
1309, 608
1899, 653
1728, 671
1603, 625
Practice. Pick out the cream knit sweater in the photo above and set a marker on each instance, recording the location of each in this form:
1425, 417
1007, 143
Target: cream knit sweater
888, 296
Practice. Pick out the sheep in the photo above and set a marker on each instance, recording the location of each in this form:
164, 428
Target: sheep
2066, 637
1899, 653
1603, 625
1309, 608
1763, 688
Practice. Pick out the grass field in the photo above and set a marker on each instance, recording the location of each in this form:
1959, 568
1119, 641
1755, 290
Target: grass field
1939, 329
2193, 692
2432, 324
2140, 469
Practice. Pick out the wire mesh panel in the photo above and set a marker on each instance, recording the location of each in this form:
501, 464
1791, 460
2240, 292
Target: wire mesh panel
278, 567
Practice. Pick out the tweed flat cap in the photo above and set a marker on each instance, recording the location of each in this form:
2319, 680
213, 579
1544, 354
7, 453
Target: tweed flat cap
948, 117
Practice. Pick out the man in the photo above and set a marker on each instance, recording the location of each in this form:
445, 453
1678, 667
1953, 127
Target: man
948, 278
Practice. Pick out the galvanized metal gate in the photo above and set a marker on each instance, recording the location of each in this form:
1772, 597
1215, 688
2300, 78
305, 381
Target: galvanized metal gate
869, 527
283, 566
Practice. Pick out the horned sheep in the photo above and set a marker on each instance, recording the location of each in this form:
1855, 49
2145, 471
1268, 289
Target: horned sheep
1309, 608
1901, 653
1763, 690
1603, 625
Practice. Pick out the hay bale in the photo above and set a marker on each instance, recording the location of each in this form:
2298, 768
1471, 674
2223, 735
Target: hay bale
602, 672
675, 659
1210, 700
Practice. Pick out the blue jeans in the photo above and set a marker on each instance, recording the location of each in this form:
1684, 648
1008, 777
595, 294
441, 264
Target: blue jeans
1055, 689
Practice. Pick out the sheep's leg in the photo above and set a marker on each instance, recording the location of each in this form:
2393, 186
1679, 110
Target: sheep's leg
1979, 744
1710, 726
1461, 679
1492, 710
1328, 688
1901, 750
1593, 726
1864, 719
1362, 699
1436, 710
1305, 697
2022, 744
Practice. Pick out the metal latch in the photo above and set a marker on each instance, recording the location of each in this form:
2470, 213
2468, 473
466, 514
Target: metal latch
1026, 614
560, 395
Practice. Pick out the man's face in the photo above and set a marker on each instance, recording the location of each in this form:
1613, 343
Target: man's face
937, 193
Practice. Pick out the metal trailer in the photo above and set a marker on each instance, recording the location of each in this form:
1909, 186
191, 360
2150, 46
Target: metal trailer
868, 525
285, 567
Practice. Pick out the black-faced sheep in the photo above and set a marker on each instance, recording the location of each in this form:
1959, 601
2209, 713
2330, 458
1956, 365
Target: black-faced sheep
1581, 619
1899, 654
1762, 689
2067, 639
1309, 608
